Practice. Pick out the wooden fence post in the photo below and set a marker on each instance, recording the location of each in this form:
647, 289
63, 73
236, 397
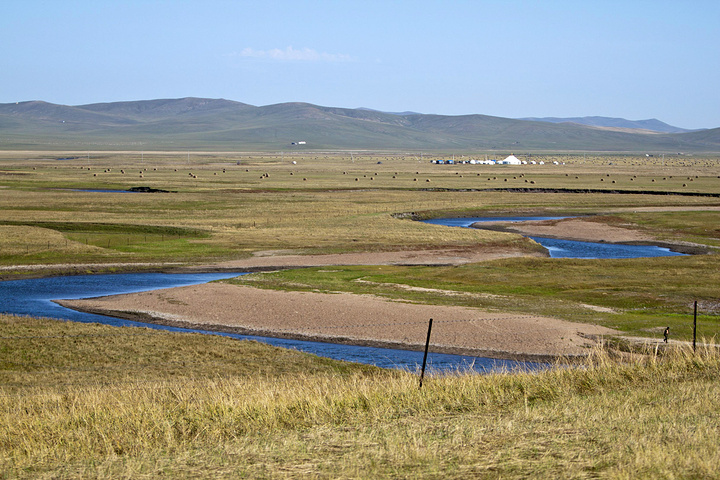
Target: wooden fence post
427, 344
694, 325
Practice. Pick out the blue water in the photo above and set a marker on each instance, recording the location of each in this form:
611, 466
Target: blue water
468, 221
558, 248
33, 297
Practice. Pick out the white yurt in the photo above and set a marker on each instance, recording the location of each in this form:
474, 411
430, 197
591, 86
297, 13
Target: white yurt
511, 160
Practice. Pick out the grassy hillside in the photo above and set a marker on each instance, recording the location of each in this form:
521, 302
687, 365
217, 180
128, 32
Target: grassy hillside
216, 124
650, 124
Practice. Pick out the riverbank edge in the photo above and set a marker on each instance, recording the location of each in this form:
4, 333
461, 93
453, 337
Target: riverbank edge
249, 264
47, 271
143, 317
687, 249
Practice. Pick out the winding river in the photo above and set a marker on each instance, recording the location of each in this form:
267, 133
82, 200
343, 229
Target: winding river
559, 248
34, 297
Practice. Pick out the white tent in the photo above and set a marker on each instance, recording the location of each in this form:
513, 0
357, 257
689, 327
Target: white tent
511, 160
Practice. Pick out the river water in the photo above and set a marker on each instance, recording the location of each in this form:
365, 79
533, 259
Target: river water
34, 297
558, 248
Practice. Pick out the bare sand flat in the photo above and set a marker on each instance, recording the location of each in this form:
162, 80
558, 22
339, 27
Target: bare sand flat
354, 319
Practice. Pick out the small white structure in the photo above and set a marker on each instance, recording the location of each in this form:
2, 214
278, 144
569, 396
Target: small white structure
511, 160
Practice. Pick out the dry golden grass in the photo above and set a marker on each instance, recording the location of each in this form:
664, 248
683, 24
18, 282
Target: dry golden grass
651, 417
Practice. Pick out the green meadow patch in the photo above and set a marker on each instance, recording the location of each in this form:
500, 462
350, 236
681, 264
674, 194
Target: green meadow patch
698, 226
52, 242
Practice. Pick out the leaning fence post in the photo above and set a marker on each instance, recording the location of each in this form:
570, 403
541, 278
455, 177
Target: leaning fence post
694, 325
427, 344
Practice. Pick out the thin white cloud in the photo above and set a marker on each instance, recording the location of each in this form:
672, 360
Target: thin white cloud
292, 54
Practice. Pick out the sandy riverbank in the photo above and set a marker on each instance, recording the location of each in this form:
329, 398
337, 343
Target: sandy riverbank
272, 260
444, 256
354, 319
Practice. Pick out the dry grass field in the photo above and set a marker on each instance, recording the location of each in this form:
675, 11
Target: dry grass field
92, 401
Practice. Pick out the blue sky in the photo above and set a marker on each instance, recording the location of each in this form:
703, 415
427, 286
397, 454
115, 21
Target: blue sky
630, 58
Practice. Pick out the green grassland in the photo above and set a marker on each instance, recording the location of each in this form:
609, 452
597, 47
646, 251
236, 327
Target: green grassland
93, 401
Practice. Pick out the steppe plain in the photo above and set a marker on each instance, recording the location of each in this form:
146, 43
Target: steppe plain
350, 221
254, 212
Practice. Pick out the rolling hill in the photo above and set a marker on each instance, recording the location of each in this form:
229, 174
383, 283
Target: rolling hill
650, 125
217, 124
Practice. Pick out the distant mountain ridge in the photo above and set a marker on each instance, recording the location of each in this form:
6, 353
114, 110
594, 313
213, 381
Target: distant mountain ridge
219, 124
392, 113
652, 124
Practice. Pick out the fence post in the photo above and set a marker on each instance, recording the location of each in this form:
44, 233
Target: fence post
694, 325
427, 344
